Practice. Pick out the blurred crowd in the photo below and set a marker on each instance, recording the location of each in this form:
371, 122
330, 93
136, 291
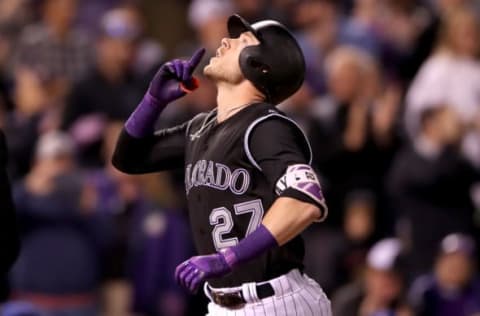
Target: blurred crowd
391, 104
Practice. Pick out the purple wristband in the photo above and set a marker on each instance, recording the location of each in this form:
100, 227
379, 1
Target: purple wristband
142, 121
250, 247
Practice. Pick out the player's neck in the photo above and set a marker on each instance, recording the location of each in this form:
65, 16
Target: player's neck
232, 99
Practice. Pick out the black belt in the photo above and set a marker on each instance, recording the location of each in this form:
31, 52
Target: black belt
236, 299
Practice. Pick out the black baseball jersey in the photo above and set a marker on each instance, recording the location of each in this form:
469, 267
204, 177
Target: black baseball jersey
231, 169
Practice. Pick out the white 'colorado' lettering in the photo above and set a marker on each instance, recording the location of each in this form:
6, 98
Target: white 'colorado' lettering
217, 176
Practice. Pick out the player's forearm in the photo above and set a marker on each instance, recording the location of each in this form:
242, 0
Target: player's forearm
162, 151
130, 153
288, 217
300, 203
139, 148
136, 139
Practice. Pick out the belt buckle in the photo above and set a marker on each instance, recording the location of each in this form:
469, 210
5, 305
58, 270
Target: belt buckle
230, 300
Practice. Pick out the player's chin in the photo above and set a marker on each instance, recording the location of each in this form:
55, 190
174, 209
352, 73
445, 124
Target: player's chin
209, 71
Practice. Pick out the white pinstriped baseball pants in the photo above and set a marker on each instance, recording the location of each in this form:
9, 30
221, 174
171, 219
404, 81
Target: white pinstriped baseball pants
295, 295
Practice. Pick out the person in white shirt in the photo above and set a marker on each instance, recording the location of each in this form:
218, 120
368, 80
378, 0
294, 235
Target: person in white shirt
452, 76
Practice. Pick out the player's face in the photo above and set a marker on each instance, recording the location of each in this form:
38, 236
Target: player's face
224, 66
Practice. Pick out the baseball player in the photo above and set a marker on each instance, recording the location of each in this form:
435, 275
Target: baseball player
250, 188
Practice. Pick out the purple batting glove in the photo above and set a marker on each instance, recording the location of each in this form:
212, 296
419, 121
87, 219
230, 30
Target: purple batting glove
174, 79
196, 270
192, 273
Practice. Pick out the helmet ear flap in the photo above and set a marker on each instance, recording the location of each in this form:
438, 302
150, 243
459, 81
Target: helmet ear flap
258, 65
255, 69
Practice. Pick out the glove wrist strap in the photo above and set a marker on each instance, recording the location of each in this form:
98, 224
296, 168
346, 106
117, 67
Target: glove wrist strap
255, 244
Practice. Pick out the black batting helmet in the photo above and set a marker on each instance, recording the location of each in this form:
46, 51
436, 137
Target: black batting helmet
276, 66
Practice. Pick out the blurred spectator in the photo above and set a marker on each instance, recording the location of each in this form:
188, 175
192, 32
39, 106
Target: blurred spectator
451, 76
118, 198
58, 267
281, 10
362, 28
91, 11
453, 289
24, 124
54, 45
138, 264
411, 29
252, 10
319, 21
408, 31
14, 14
324, 28
19, 308
430, 186
155, 291
149, 53
359, 229
443, 7
354, 138
335, 257
381, 292
208, 18
111, 91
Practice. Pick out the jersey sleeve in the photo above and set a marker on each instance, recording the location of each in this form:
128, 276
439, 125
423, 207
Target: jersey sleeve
163, 150
277, 147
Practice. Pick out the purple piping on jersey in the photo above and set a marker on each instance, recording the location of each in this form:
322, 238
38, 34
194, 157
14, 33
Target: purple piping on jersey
246, 137
301, 167
142, 121
250, 247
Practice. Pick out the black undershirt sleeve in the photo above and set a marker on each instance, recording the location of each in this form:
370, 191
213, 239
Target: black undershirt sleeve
276, 144
164, 150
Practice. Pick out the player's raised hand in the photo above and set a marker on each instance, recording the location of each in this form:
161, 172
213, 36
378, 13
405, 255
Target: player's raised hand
192, 273
174, 78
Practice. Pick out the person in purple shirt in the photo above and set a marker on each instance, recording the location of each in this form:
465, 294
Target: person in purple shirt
452, 289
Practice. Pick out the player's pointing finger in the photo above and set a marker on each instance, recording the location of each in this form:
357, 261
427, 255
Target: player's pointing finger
196, 58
